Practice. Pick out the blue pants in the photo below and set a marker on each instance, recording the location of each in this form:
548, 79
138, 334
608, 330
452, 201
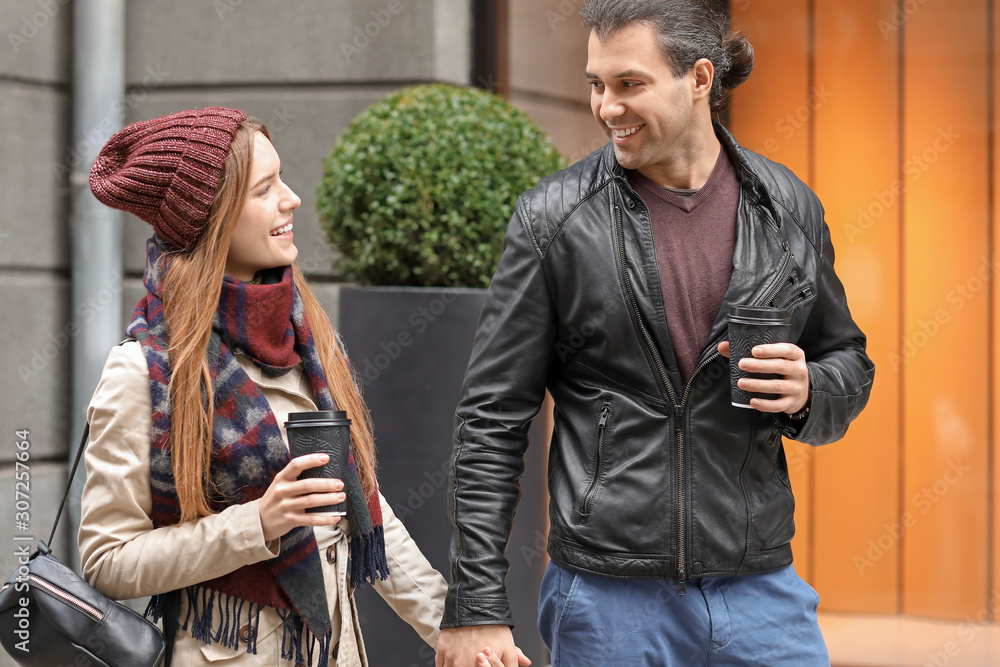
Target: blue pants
767, 619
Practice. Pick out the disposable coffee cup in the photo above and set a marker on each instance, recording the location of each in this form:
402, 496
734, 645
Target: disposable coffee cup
750, 326
323, 432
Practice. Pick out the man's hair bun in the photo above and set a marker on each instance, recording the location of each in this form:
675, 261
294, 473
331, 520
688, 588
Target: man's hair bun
740, 53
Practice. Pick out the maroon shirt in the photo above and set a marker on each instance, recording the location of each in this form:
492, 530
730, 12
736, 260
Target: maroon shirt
695, 235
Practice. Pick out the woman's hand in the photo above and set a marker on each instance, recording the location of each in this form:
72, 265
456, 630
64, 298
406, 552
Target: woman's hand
488, 658
283, 505
472, 646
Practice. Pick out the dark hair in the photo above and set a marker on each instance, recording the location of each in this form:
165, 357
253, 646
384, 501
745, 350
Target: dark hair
688, 30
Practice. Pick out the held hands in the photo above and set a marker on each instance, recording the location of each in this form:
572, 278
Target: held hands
283, 505
478, 646
783, 359
489, 658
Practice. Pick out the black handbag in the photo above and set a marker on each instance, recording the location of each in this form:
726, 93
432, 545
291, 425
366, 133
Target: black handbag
50, 616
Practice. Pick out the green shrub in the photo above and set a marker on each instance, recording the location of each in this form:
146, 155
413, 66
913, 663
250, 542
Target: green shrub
419, 188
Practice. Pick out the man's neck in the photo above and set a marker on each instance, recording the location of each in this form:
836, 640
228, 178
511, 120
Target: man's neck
690, 167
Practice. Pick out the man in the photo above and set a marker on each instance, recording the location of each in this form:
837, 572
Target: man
671, 512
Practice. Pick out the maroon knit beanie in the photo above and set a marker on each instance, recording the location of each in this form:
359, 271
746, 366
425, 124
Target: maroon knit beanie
167, 170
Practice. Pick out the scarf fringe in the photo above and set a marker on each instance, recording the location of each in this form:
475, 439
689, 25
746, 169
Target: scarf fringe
203, 603
295, 634
368, 563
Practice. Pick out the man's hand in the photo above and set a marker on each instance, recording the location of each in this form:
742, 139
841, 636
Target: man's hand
460, 647
783, 359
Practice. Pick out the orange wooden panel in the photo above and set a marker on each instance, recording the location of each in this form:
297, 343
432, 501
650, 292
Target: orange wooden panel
769, 114
995, 370
857, 527
945, 375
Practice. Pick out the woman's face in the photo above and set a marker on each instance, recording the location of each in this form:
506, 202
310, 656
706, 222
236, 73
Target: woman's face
263, 235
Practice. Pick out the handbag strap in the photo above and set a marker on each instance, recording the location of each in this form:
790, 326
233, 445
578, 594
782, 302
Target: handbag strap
76, 464
69, 483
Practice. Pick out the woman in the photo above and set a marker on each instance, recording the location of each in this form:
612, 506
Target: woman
190, 495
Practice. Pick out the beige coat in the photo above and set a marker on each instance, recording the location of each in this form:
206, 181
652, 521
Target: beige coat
124, 557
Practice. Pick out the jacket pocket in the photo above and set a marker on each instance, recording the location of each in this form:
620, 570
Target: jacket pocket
587, 502
801, 295
772, 504
793, 293
267, 641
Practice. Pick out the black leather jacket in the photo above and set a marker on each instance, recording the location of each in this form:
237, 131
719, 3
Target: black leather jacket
647, 477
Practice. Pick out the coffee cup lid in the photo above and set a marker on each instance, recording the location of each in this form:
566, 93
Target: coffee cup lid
317, 415
758, 313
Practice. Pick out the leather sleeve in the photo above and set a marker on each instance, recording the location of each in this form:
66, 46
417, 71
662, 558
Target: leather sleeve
503, 390
840, 372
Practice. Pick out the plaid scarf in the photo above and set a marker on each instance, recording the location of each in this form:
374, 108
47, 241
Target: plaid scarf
247, 452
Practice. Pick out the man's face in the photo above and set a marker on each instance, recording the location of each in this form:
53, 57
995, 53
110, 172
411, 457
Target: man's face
637, 99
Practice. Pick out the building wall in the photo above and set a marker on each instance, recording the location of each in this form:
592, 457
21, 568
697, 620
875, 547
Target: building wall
304, 68
903, 160
547, 56
34, 270
903, 157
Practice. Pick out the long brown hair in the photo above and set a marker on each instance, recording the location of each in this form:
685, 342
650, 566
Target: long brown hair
190, 298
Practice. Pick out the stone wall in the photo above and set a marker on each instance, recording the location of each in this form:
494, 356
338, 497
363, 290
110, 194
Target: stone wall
556, 95
34, 270
304, 68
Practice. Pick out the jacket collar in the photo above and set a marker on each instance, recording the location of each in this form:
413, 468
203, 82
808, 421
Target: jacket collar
761, 258
747, 175
749, 179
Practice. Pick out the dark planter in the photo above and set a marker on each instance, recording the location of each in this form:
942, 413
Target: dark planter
410, 347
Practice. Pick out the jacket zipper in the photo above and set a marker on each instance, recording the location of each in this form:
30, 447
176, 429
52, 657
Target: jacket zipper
775, 287
678, 411
69, 598
588, 498
798, 298
769, 294
631, 295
